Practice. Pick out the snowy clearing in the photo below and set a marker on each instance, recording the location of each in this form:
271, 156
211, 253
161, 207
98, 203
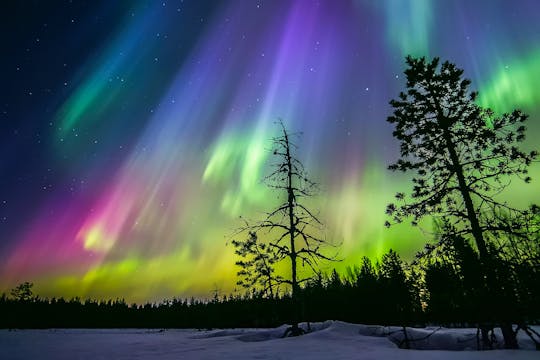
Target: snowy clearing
328, 340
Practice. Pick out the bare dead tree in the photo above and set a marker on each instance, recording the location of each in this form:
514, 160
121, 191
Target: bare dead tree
292, 231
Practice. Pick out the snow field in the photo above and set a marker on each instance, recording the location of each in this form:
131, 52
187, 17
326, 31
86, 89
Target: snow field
328, 340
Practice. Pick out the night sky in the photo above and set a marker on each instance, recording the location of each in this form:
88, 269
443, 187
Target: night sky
133, 134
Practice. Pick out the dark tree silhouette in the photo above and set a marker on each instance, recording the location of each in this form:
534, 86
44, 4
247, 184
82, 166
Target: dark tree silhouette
454, 280
368, 290
291, 230
257, 265
462, 157
23, 291
399, 296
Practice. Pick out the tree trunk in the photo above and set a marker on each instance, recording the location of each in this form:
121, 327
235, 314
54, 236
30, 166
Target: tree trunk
510, 338
465, 193
407, 344
292, 231
486, 341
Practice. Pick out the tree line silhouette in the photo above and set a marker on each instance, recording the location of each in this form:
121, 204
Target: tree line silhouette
390, 291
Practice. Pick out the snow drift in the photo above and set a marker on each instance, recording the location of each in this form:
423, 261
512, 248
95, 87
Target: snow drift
327, 340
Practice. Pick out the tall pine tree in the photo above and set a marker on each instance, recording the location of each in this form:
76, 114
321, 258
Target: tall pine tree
462, 156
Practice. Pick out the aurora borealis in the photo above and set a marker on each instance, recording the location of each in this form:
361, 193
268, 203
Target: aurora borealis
135, 133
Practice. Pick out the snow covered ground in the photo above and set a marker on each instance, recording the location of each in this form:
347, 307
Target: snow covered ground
328, 340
